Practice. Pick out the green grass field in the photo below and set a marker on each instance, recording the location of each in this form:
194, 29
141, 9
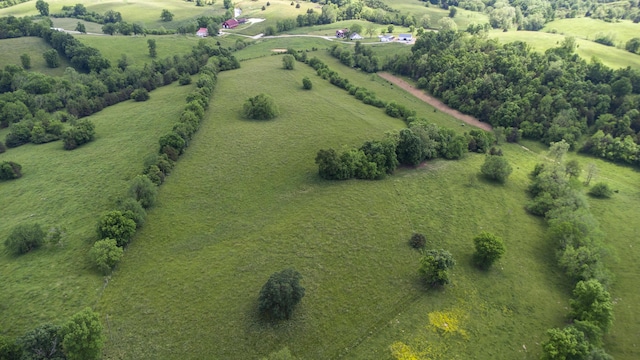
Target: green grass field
71, 189
418, 9
541, 41
11, 49
246, 201
587, 28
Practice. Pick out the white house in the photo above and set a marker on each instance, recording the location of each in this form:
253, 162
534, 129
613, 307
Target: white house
405, 37
355, 36
386, 38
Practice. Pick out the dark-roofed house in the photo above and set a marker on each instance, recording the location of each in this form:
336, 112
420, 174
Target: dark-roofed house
230, 24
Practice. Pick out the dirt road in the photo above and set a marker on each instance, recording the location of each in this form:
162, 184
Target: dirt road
434, 102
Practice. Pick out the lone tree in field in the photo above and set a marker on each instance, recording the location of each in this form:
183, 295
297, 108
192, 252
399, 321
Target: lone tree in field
166, 15
435, 265
288, 62
489, 248
43, 7
280, 294
24, 238
306, 83
82, 337
151, 43
260, 107
496, 168
81, 28
51, 58
26, 61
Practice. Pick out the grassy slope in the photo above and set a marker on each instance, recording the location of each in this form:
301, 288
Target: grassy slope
246, 201
133, 11
278, 10
11, 49
463, 17
541, 41
71, 189
587, 28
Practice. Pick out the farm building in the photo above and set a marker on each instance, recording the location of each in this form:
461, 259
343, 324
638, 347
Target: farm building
202, 32
386, 38
242, 21
355, 36
405, 37
230, 24
342, 33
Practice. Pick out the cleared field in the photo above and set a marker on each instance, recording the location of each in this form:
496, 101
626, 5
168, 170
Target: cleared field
278, 10
11, 49
541, 41
587, 28
133, 11
418, 9
246, 201
71, 189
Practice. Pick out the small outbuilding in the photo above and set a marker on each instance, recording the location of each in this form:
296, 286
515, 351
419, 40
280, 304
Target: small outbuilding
202, 32
342, 33
405, 37
230, 24
355, 36
386, 38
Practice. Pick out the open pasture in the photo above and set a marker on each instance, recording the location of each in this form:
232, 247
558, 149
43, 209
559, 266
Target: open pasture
588, 28
246, 201
418, 9
11, 49
541, 41
70, 189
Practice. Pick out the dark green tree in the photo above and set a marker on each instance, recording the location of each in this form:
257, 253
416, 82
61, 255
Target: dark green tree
633, 45
151, 43
25, 59
144, 191
82, 132
280, 294
489, 248
42, 7
109, 28
115, 225
82, 337
166, 15
24, 238
452, 11
140, 94
10, 170
572, 168
409, 149
435, 265
228, 4
496, 168
306, 83
51, 58
9, 350
565, 344
418, 241
260, 107
42, 343
601, 190
81, 28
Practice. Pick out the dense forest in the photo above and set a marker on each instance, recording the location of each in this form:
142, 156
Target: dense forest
550, 97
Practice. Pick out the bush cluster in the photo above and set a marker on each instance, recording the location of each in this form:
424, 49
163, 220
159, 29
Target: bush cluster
361, 58
280, 294
24, 238
81, 132
435, 266
10, 170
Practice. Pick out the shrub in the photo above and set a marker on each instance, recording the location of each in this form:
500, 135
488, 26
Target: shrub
106, 254
489, 248
51, 58
306, 84
144, 191
174, 141
81, 133
140, 94
115, 225
591, 302
24, 238
9, 350
10, 170
280, 294
185, 79
601, 190
288, 62
435, 265
132, 209
418, 241
567, 343
260, 107
2, 148
496, 168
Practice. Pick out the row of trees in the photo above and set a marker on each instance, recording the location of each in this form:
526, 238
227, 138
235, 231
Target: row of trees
577, 238
549, 97
361, 57
80, 338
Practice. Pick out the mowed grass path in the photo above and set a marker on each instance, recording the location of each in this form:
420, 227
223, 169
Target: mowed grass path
246, 201
541, 41
72, 189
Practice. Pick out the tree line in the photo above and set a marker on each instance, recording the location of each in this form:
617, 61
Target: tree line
549, 97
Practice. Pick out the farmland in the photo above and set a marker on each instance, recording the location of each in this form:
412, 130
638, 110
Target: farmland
245, 200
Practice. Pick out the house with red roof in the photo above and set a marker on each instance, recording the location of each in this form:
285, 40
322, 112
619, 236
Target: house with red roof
202, 32
230, 24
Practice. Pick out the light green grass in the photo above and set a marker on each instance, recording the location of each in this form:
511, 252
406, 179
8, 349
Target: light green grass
71, 23
11, 49
463, 18
587, 28
71, 189
133, 11
541, 41
136, 48
246, 201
